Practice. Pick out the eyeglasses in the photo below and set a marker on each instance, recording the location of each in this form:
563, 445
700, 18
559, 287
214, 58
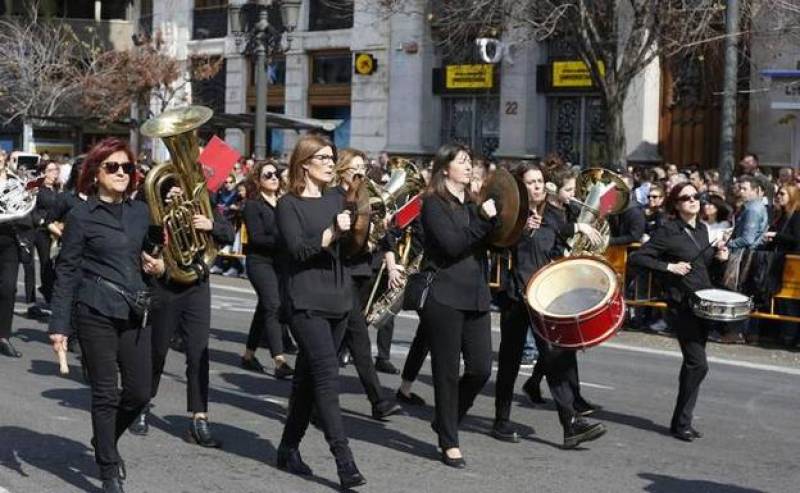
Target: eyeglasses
268, 175
112, 167
687, 198
323, 157
655, 196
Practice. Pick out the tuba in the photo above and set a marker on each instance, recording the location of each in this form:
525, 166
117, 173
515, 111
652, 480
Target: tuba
600, 193
188, 253
16, 201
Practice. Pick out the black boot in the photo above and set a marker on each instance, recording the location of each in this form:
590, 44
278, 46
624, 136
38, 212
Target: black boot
8, 349
139, 426
503, 431
578, 430
289, 460
200, 434
113, 485
349, 475
384, 409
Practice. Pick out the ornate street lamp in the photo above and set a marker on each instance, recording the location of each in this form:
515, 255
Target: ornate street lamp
260, 28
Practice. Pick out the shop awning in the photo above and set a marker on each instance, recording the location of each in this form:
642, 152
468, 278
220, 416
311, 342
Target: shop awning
246, 121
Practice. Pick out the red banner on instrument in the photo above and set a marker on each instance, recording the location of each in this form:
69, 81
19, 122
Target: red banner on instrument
406, 214
217, 160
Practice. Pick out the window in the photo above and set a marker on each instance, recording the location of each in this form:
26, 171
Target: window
276, 72
332, 68
576, 129
472, 121
211, 90
340, 136
210, 19
325, 15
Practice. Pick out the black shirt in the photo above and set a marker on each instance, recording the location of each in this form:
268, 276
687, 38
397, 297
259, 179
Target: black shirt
98, 244
787, 238
263, 235
675, 242
316, 278
47, 204
538, 248
628, 226
455, 246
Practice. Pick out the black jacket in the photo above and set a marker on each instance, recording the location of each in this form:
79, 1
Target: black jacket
627, 226
455, 246
47, 205
787, 238
263, 236
97, 244
317, 279
671, 244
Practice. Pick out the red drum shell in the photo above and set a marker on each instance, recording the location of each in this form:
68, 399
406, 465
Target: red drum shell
588, 326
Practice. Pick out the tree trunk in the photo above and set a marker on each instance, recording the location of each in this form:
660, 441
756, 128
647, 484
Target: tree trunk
615, 135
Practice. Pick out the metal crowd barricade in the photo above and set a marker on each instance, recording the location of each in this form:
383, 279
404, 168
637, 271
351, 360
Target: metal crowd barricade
617, 256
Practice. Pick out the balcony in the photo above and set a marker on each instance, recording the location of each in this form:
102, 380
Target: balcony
210, 22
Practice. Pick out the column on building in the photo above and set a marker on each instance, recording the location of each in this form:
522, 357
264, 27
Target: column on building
641, 115
236, 85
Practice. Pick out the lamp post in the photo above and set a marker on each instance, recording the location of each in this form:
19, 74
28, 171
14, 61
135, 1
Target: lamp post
262, 39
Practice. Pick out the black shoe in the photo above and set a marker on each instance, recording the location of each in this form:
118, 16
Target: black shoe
694, 432
579, 430
503, 431
586, 408
532, 390
8, 349
178, 344
289, 460
284, 371
683, 435
349, 475
411, 399
200, 434
139, 426
252, 364
459, 463
113, 485
385, 366
384, 409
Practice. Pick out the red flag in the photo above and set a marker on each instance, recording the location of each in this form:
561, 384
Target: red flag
406, 214
607, 201
217, 160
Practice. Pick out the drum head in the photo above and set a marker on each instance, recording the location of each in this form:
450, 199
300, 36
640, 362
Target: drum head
571, 287
721, 296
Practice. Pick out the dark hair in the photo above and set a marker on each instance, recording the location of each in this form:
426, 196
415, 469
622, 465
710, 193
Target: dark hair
253, 180
723, 209
87, 182
559, 176
671, 204
304, 149
525, 166
754, 182
441, 161
753, 154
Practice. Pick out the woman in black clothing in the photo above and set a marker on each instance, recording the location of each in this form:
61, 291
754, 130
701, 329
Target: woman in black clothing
9, 267
46, 209
263, 244
456, 309
312, 222
99, 272
543, 240
785, 237
680, 251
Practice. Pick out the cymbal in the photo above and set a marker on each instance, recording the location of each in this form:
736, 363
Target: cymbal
511, 199
357, 201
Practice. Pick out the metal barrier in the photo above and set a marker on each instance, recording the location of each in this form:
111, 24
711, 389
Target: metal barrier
617, 256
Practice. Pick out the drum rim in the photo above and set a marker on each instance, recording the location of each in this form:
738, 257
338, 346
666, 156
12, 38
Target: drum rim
612, 275
744, 298
606, 335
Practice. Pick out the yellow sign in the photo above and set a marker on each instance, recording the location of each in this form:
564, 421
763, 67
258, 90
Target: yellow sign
365, 64
573, 74
469, 76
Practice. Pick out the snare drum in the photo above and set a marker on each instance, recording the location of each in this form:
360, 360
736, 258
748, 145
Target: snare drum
721, 305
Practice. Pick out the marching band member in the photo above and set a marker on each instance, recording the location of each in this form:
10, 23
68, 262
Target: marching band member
351, 163
680, 250
262, 263
9, 266
542, 240
456, 309
319, 287
99, 273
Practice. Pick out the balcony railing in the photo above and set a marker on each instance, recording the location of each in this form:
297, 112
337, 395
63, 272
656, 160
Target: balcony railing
210, 22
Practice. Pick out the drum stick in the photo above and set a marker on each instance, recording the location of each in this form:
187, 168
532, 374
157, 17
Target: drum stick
63, 367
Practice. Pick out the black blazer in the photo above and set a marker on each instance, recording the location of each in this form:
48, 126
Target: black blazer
263, 235
455, 246
787, 238
97, 244
628, 226
47, 204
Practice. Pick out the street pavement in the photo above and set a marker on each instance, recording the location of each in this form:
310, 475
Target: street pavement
748, 410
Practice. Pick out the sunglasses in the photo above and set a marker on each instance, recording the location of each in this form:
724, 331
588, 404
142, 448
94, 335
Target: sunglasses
687, 198
269, 175
655, 197
112, 167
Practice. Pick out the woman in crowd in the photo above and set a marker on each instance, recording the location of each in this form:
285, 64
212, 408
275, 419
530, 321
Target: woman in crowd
785, 236
262, 250
680, 250
654, 211
9, 266
99, 274
457, 306
313, 224
46, 209
715, 213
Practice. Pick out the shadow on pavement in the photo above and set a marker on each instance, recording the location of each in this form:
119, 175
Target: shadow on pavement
50, 369
669, 484
28, 334
69, 460
73, 398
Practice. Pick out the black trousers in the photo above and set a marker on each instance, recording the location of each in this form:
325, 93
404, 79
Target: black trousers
9, 267
28, 268
692, 336
264, 279
560, 366
514, 323
113, 348
356, 340
416, 354
453, 333
186, 310
47, 273
315, 383
384, 340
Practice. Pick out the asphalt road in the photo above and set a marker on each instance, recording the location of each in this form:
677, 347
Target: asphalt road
748, 409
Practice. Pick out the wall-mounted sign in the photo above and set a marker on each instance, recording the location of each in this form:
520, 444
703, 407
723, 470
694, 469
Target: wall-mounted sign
365, 64
469, 76
573, 74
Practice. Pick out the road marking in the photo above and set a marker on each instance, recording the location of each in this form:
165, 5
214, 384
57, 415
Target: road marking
233, 289
527, 373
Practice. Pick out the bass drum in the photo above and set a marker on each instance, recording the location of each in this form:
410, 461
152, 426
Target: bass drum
578, 302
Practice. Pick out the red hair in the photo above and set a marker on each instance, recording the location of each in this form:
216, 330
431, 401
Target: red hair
87, 182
